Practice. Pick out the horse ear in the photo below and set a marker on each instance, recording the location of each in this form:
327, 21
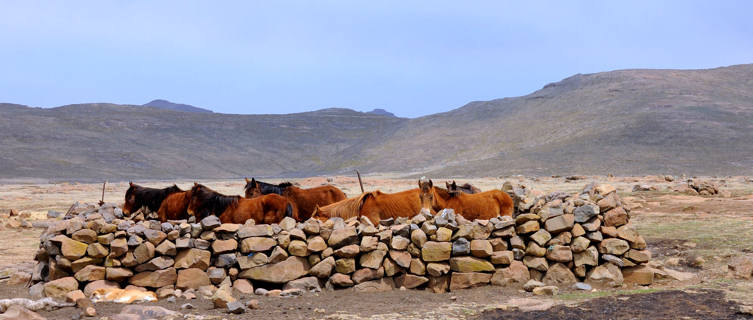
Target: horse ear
130, 183
431, 183
447, 185
454, 185
247, 181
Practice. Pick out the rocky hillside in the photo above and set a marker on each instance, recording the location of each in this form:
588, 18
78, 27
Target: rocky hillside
621, 122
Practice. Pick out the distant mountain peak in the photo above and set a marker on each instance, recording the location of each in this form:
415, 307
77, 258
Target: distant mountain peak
164, 104
382, 112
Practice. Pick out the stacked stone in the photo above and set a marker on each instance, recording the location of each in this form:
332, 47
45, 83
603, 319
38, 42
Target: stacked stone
584, 237
558, 239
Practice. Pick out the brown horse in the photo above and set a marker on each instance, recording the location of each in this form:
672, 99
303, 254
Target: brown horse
270, 208
304, 200
175, 206
345, 209
137, 197
377, 205
484, 205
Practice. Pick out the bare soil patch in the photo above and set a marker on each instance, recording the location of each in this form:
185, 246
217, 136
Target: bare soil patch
670, 304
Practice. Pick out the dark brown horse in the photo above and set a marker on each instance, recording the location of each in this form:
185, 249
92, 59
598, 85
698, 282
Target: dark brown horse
270, 208
466, 188
484, 205
137, 197
175, 206
304, 200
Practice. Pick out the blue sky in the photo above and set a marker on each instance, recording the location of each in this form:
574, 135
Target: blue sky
410, 57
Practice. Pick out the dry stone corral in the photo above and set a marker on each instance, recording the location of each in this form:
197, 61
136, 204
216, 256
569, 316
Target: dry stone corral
555, 239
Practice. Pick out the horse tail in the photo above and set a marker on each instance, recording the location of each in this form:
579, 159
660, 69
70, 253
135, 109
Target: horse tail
289, 210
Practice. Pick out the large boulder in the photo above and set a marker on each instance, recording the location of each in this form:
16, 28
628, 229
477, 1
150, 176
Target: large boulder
192, 278
155, 279
436, 251
463, 280
290, 269
60, 287
470, 264
193, 258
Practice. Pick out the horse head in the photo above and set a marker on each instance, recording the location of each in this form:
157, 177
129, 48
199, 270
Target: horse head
132, 202
426, 194
252, 188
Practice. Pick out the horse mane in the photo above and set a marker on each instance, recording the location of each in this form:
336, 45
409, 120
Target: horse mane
348, 208
215, 201
150, 197
267, 188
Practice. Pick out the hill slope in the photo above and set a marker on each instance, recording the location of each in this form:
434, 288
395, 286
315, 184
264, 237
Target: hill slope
621, 122
164, 104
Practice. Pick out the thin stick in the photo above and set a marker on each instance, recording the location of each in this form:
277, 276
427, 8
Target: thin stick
102, 201
359, 180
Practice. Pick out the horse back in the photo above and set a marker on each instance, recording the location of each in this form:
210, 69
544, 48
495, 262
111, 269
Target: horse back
306, 200
379, 205
174, 207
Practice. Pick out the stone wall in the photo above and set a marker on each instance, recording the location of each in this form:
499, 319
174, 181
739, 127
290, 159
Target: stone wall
558, 239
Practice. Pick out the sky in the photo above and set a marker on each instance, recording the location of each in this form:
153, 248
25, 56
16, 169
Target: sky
412, 58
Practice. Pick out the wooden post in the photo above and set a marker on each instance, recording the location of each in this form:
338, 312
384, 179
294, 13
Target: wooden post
359, 180
102, 201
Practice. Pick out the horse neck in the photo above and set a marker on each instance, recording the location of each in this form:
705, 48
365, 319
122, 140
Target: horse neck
220, 203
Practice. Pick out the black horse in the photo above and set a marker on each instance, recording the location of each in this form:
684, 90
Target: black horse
256, 188
137, 197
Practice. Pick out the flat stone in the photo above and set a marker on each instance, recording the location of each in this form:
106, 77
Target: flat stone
252, 260
516, 274
324, 268
461, 247
348, 251
526, 228
502, 257
118, 274
317, 244
585, 212
640, 275
410, 281
290, 269
541, 237
470, 264
463, 280
379, 285
589, 257
559, 274
559, 224
367, 274
257, 244
259, 230
536, 263
341, 280
605, 275
342, 237
157, 263
616, 217
614, 246
60, 287
222, 246
546, 291
193, 258
90, 273
436, 251
559, 253
401, 258
192, 278
345, 265
155, 279
481, 248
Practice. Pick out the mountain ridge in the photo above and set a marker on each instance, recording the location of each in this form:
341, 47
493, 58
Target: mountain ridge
637, 121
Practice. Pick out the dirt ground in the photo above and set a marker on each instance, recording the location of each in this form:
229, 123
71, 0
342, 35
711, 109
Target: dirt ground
693, 234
